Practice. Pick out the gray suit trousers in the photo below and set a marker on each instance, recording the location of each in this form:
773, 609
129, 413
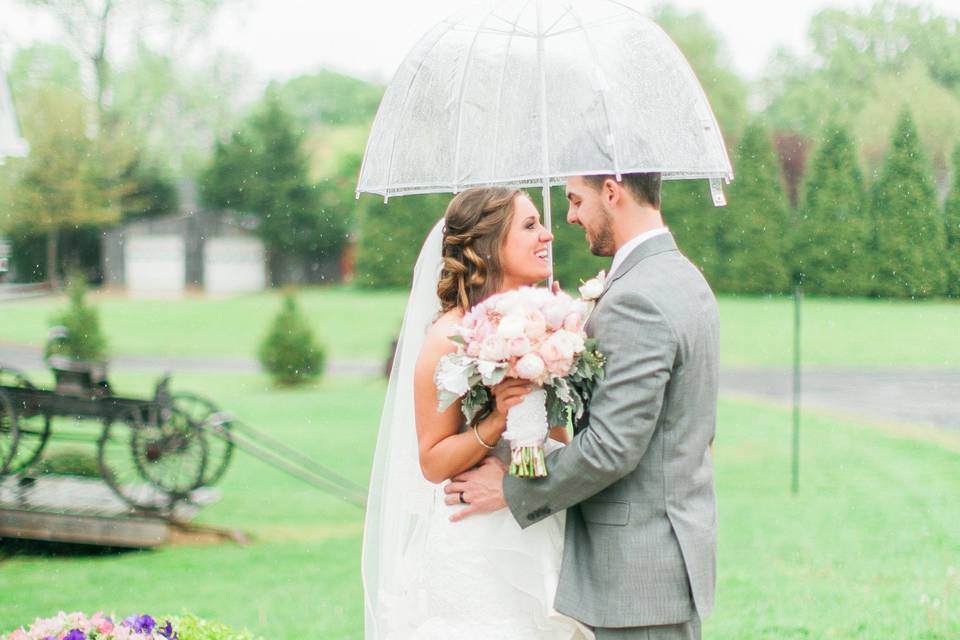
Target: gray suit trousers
689, 630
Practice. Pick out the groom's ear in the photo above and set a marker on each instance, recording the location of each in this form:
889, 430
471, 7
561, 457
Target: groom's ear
611, 192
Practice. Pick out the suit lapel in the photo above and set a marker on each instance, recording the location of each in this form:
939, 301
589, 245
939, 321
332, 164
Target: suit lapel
653, 246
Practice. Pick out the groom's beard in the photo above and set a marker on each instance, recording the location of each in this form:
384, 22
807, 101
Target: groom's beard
601, 238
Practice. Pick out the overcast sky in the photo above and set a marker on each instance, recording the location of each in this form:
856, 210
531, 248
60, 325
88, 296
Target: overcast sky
369, 38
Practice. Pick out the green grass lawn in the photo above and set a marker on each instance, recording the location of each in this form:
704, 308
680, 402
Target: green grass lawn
350, 324
755, 332
865, 550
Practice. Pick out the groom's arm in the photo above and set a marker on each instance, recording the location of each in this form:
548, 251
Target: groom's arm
640, 347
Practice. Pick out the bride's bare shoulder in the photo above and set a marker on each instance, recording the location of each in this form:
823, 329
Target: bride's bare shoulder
438, 340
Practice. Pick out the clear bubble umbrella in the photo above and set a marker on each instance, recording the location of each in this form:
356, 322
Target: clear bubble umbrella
527, 93
11, 144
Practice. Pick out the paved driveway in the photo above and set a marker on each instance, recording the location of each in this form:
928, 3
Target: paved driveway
908, 395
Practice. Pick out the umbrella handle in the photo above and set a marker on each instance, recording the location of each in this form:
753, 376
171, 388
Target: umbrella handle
547, 223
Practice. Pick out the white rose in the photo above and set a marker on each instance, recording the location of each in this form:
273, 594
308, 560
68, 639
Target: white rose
531, 366
593, 288
511, 327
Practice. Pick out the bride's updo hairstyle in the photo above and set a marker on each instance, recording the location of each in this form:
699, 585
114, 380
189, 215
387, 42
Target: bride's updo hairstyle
475, 227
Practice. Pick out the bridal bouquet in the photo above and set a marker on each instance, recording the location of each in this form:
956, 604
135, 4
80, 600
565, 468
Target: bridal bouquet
533, 334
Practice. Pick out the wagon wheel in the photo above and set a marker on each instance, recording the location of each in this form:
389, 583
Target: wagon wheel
10, 377
152, 457
9, 431
216, 431
34, 426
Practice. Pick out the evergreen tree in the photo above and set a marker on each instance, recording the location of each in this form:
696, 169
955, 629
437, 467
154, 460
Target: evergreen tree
263, 170
688, 211
391, 235
909, 239
952, 225
290, 353
831, 238
751, 241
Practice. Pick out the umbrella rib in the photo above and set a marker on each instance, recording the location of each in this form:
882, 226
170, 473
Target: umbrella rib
503, 74
581, 25
603, 96
516, 22
406, 99
546, 33
463, 87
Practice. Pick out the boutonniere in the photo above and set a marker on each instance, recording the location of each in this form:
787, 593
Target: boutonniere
593, 288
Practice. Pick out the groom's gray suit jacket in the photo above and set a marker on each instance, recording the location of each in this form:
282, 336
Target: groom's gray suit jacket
637, 477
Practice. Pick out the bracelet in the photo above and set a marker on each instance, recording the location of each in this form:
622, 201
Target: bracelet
480, 440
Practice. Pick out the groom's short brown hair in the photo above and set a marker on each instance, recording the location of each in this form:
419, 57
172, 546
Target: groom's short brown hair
644, 187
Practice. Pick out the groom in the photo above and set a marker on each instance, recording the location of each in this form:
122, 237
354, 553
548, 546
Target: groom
637, 478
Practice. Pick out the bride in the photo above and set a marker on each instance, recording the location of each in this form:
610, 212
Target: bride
424, 576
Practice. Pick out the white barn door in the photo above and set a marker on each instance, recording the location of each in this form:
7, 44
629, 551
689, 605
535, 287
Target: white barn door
155, 264
233, 265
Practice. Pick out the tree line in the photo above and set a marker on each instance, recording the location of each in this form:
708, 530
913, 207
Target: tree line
846, 177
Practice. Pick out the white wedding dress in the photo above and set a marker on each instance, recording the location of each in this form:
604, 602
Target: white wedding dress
425, 577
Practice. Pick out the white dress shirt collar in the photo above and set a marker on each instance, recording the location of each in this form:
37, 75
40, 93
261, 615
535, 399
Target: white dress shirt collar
632, 244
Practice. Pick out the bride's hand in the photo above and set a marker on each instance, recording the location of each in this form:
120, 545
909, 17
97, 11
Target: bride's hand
510, 393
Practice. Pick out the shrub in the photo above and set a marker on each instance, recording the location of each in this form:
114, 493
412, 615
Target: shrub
190, 627
84, 340
68, 462
289, 353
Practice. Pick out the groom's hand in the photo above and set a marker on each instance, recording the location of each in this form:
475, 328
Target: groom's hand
482, 489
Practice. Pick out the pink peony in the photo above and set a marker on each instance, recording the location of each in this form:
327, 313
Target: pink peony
559, 368
511, 326
572, 322
550, 351
520, 346
536, 324
555, 315
559, 350
493, 348
530, 367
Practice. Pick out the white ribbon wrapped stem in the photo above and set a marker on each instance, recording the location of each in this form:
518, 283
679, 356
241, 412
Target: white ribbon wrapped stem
527, 422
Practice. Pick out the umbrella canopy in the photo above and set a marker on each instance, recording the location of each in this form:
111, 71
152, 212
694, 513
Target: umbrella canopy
527, 93
11, 144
